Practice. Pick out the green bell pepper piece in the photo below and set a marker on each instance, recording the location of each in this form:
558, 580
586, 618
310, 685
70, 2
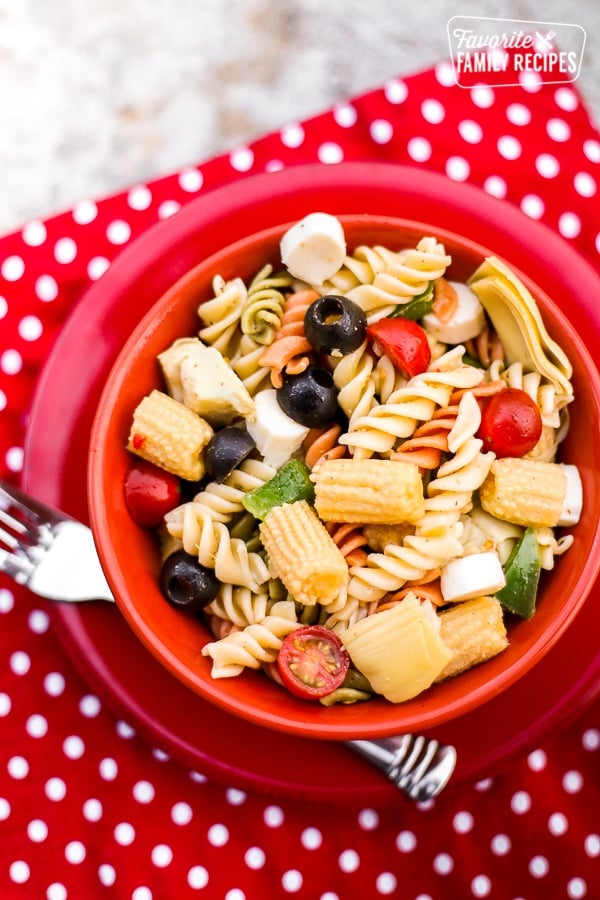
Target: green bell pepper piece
416, 308
522, 571
291, 483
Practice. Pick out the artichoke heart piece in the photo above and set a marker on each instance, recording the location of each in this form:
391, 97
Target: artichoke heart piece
519, 325
400, 650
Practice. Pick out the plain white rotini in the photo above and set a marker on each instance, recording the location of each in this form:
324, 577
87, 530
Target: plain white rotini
240, 605
257, 644
221, 314
550, 546
245, 362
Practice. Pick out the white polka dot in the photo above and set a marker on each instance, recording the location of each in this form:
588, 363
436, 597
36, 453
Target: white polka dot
273, 816
349, 861
11, 362
500, 844
54, 684
547, 165
107, 875
569, 224
597, 242
56, 891
572, 782
124, 730
34, 233
124, 834
433, 111
368, 819
311, 838
518, 114
108, 769
395, 90
55, 789
242, 159
530, 81
168, 208
46, 288
218, 835
19, 871
85, 212
97, 266
470, 131
38, 621
37, 831
4, 809
161, 856
381, 131
292, 881
160, 755
89, 706
481, 886
462, 822
181, 813
538, 866
457, 168
3, 307
558, 130
14, 458
118, 232
197, 777
482, 96
141, 893
274, 165
406, 841
591, 149
20, 663
144, 792
537, 760
444, 74
509, 147
292, 135
92, 810
590, 740
386, 883
75, 852
197, 877
5, 704
520, 802
73, 747
3, 400
30, 328
139, 197
65, 250
36, 726
591, 845
190, 180
584, 184
18, 767
557, 823
330, 153
12, 268
576, 889
255, 858
345, 115
566, 99
235, 797
419, 149
443, 863
533, 206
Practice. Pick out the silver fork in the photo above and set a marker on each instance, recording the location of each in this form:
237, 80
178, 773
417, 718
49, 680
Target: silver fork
55, 557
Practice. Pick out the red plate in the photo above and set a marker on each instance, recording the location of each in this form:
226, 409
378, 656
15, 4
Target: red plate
102, 645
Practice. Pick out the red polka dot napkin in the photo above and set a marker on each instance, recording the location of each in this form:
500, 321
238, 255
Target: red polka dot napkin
89, 808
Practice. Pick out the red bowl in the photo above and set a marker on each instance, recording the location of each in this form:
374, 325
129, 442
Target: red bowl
131, 560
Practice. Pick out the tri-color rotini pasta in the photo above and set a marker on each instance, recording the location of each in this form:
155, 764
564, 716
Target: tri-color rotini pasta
359, 504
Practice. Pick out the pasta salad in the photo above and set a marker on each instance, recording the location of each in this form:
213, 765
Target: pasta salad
353, 467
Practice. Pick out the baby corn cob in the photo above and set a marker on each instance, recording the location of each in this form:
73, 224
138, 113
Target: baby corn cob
524, 491
374, 491
168, 434
303, 555
474, 631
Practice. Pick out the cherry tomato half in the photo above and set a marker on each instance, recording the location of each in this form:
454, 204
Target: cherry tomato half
404, 342
511, 424
150, 492
312, 661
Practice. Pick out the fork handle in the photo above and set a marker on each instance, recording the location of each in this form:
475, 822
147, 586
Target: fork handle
72, 571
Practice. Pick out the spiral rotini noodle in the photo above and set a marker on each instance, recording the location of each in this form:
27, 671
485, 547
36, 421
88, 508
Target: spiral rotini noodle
221, 314
290, 350
240, 605
263, 307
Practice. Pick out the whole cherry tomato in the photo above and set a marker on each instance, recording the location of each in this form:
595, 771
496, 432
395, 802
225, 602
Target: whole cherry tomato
312, 661
511, 424
150, 492
404, 342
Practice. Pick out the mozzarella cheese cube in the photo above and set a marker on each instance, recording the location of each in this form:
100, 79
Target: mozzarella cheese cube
472, 576
314, 248
465, 323
573, 500
276, 435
